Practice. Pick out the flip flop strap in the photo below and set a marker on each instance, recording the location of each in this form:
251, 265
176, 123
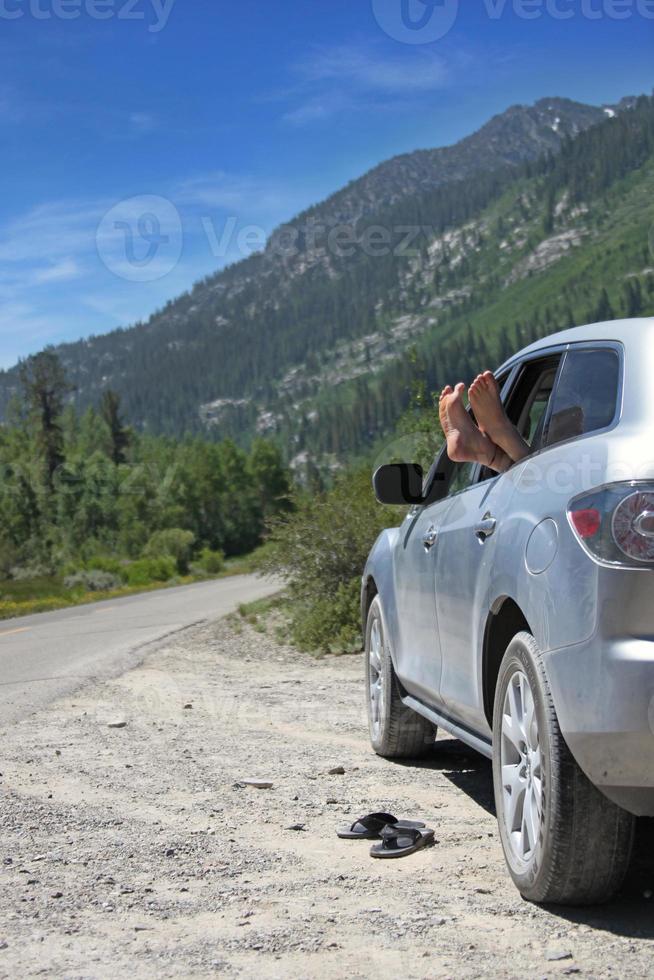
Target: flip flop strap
373, 822
390, 837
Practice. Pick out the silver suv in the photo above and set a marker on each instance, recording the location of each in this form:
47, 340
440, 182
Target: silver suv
517, 611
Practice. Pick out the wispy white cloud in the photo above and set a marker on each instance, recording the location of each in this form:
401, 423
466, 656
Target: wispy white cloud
370, 71
351, 78
50, 231
253, 198
142, 123
319, 107
58, 272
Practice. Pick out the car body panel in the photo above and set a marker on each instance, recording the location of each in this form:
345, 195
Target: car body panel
418, 654
464, 569
604, 696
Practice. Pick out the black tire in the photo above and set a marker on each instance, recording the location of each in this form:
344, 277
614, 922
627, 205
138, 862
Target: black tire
584, 841
397, 732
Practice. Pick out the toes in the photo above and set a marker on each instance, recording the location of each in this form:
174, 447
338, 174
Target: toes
460, 388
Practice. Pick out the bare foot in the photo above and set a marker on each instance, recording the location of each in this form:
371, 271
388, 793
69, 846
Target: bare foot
487, 406
492, 419
465, 442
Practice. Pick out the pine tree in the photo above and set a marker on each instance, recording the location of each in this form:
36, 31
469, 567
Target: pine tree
603, 310
45, 387
119, 435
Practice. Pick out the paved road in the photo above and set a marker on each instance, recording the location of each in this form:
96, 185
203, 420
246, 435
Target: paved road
50, 654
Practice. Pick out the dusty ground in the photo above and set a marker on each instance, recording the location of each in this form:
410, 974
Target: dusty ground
133, 851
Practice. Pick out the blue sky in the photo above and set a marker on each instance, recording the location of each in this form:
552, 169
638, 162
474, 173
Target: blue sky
143, 150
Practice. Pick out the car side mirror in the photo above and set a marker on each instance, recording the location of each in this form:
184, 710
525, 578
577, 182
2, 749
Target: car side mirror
399, 483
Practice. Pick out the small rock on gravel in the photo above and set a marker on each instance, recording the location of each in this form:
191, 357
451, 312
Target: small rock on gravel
336, 771
117, 724
556, 955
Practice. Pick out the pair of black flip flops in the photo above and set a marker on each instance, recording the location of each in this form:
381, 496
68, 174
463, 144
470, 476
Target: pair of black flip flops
398, 837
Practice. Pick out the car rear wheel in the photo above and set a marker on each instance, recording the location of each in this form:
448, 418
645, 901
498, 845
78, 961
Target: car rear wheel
396, 732
564, 842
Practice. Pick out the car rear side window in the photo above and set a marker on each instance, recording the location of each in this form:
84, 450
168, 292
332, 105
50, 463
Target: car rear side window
586, 395
529, 401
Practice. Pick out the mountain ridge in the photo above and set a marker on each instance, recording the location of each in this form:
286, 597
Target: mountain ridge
541, 116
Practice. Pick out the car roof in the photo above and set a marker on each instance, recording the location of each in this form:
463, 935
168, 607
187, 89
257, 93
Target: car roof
634, 334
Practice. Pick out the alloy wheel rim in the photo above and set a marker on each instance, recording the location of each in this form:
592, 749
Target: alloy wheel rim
376, 679
522, 773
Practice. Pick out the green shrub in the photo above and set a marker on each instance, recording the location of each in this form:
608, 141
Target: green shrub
8, 557
330, 623
23, 573
321, 550
145, 571
211, 562
174, 543
93, 581
114, 566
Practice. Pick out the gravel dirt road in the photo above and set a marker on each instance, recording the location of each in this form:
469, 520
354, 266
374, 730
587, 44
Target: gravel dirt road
136, 850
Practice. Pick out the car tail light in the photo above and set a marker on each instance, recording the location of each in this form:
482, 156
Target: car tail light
586, 522
615, 524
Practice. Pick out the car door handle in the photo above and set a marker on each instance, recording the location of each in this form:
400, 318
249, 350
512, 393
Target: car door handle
430, 538
486, 528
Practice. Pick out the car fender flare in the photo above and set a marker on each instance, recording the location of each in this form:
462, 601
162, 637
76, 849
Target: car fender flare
378, 579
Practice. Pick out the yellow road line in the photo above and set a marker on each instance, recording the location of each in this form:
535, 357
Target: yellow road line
22, 629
